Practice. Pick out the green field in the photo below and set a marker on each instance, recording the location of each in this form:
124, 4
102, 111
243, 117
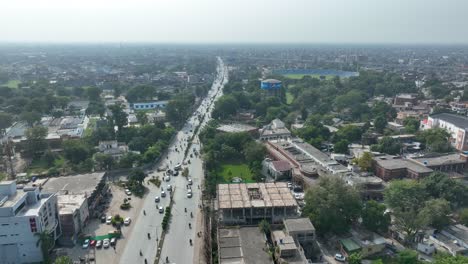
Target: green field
12, 84
289, 98
300, 76
230, 171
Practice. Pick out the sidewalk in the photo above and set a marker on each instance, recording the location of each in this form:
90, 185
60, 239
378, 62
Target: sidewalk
198, 256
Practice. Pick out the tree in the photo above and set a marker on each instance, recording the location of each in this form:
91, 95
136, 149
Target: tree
435, 140
464, 216
118, 116
93, 93
46, 242
30, 118
35, 140
185, 172
225, 106
365, 161
63, 260
437, 211
387, 145
5, 121
406, 199
137, 175
441, 258
380, 123
142, 117
104, 161
265, 227
407, 256
341, 146
332, 205
439, 185
411, 125
76, 151
374, 216
355, 258
349, 132
254, 151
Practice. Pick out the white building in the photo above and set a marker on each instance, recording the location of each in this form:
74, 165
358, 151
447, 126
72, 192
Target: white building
25, 212
456, 125
276, 130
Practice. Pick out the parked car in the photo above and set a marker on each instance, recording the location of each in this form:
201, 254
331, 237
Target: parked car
189, 194
105, 243
169, 187
128, 192
99, 244
109, 220
103, 219
163, 194
190, 182
340, 257
92, 243
161, 209
113, 241
127, 221
176, 173
167, 178
86, 244
156, 199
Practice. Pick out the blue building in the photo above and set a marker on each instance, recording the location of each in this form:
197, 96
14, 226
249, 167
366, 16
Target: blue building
150, 105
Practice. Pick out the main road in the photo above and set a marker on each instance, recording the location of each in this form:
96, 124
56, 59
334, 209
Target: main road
142, 243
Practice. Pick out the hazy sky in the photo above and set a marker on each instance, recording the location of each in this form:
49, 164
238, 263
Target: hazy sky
228, 21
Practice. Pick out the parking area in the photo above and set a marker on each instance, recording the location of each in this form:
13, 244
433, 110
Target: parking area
96, 228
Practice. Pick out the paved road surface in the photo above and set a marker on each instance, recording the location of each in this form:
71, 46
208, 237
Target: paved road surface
176, 245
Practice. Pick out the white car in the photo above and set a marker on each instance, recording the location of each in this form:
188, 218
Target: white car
86, 244
105, 243
169, 188
340, 257
128, 192
163, 194
156, 199
190, 182
189, 194
109, 220
127, 221
161, 209
167, 178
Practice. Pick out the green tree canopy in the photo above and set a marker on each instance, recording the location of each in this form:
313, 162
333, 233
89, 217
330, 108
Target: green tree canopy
341, 146
435, 140
332, 205
35, 141
374, 216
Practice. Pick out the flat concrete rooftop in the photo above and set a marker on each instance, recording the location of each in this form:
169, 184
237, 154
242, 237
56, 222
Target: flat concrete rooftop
76, 184
242, 245
258, 195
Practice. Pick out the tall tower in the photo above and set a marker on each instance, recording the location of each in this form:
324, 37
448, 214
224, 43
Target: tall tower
272, 87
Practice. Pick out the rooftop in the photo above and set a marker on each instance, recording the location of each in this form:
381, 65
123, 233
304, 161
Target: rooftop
457, 120
440, 160
76, 184
281, 165
242, 245
247, 195
236, 127
67, 204
395, 164
298, 225
271, 81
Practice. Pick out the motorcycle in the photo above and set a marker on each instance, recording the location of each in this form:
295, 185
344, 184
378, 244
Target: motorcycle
190, 240
191, 215
149, 237
144, 212
190, 226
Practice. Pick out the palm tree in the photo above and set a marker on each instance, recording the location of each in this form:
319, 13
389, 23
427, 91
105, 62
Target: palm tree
46, 242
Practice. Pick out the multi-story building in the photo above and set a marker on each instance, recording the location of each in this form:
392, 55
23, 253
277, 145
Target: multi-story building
24, 213
456, 125
149, 105
252, 202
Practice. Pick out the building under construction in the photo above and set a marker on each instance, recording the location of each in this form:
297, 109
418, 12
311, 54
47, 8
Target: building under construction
249, 203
